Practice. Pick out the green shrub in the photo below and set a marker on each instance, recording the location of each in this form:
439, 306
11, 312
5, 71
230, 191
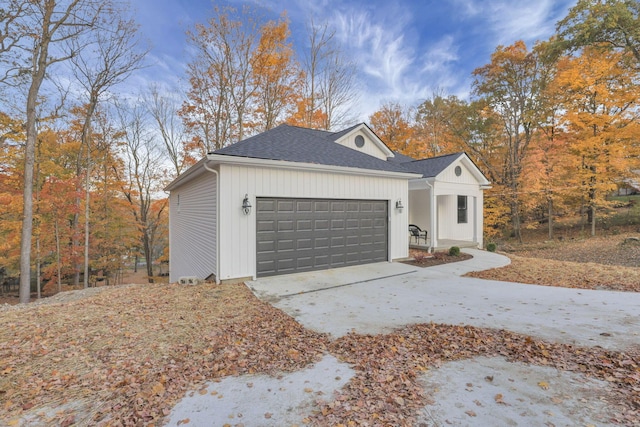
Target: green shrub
454, 251
491, 247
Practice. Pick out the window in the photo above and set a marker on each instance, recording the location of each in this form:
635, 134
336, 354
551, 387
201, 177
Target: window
359, 141
462, 209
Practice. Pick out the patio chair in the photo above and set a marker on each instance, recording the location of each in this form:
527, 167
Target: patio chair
418, 233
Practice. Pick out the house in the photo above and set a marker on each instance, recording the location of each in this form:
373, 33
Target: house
293, 199
447, 199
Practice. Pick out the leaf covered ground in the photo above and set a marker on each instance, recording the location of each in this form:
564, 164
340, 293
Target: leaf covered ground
125, 355
137, 349
610, 263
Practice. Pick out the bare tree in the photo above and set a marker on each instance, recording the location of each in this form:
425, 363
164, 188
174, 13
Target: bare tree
164, 112
11, 16
143, 177
51, 24
112, 54
331, 78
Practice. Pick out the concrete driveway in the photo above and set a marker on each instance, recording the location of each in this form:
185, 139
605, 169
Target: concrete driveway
378, 298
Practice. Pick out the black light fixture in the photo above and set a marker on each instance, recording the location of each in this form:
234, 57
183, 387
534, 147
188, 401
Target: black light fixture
246, 206
399, 205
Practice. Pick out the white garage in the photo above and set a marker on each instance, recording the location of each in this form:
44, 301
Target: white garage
289, 200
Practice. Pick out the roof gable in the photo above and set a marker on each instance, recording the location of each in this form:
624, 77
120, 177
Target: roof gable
296, 144
443, 167
361, 138
432, 166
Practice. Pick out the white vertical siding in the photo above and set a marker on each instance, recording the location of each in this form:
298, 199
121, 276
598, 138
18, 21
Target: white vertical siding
420, 209
192, 225
479, 230
238, 233
449, 175
448, 226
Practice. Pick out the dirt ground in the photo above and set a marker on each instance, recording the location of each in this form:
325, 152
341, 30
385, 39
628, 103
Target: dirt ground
612, 249
69, 294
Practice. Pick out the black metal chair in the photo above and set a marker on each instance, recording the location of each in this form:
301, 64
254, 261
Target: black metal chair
418, 233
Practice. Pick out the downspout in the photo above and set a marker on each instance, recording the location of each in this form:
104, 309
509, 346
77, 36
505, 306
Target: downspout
217, 242
432, 217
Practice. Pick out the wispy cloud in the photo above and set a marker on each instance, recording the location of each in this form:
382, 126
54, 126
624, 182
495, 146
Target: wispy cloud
505, 21
386, 46
404, 50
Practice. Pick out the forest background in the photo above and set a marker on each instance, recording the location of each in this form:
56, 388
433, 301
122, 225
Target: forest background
554, 126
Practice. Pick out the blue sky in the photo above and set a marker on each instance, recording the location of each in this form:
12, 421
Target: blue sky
404, 49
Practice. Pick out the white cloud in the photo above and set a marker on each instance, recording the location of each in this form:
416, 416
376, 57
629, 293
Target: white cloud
506, 21
440, 54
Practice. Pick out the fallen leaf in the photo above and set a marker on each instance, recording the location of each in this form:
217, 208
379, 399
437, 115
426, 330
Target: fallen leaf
471, 413
268, 415
158, 389
499, 399
543, 385
185, 421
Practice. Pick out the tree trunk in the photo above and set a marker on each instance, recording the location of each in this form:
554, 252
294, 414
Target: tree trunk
38, 280
75, 225
515, 219
27, 209
86, 136
148, 255
592, 212
57, 230
550, 215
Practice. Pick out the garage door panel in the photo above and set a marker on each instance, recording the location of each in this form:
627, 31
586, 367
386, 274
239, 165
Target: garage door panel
304, 206
302, 244
286, 205
266, 246
286, 245
321, 243
321, 206
338, 224
353, 223
321, 224
265, 226
304, 225
266, 205
295, 235
285, 225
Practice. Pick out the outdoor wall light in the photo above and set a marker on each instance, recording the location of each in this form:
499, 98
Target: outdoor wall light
246, 206
399, 205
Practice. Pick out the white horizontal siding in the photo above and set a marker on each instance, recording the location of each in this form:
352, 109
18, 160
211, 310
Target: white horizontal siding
238, 233
192, 225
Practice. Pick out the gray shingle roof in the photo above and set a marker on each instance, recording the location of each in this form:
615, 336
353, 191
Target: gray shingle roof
400, 158
432, 166
296, 144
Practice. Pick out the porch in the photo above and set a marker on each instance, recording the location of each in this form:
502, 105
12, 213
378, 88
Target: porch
443, 244
449, 218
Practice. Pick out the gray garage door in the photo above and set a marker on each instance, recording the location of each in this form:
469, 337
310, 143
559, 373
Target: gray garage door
295, 235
